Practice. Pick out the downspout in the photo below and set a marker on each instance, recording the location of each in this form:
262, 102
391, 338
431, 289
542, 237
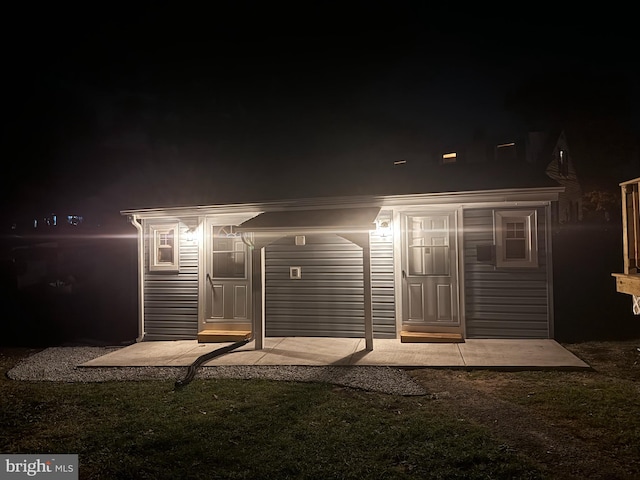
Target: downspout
193, 368
198, 362
134, 221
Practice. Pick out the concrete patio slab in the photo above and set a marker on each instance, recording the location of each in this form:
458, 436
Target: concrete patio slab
157, 354
245, 355
393, 352
527, 354
496, 353
309, 351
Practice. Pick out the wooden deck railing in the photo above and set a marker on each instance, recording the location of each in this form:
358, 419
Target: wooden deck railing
629, 281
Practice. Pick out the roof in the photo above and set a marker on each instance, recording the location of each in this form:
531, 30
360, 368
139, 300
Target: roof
316, 181
328, 220
545, 152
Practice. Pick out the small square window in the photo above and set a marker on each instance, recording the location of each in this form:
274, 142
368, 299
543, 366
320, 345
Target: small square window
163, 247
516, 238
451, 157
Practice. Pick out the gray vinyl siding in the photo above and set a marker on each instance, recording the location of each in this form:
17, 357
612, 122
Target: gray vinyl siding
171, 298
382, 284
503, 302
328, 300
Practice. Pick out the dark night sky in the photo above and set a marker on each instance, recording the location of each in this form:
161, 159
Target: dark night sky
98, 98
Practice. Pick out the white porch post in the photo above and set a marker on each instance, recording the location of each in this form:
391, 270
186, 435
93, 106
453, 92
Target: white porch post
260, 242
364, 240
368, 296
257, 287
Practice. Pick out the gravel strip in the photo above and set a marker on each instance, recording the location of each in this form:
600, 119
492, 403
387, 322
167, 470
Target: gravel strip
60, 364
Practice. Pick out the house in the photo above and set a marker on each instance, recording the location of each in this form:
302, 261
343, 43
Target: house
628, 282
551, 151
548, 151
418, 253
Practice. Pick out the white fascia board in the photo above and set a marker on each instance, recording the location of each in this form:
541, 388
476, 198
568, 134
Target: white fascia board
536, 195
540, 195
198, 211
295, 204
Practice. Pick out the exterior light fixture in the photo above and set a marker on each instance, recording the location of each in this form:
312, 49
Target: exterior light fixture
190, 235
383, 228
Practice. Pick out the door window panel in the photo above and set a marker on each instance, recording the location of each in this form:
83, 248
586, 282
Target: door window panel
229, 256
428, 245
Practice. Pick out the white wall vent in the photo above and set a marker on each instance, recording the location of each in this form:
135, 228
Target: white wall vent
295, 273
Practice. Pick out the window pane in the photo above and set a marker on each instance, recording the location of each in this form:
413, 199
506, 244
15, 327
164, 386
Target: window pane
428, 245
165, 246
165, 255
515, 249
515, 230
229, 264
229, 254
166, 239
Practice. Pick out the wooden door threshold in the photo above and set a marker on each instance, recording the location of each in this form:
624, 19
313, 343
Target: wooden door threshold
424, 337
221, 336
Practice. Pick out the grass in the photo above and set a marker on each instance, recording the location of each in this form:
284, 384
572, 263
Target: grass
600, 409
262, 429
248, 429
593, 409
587, 404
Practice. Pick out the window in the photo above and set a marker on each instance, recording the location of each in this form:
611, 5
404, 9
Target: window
506, 152
515, 241
428, 245
451, 157
74, 220
516, 238
563, 163
163, 247
229, 253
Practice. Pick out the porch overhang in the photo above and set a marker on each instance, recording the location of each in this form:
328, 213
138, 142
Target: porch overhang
354, 224
334, 220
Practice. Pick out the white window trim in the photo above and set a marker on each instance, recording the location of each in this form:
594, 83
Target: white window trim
530, 220
155, 230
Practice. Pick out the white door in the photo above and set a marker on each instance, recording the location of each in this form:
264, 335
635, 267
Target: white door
429, 270
228, 277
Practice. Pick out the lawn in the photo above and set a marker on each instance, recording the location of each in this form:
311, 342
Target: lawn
572, 424
472, 425
247, 429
